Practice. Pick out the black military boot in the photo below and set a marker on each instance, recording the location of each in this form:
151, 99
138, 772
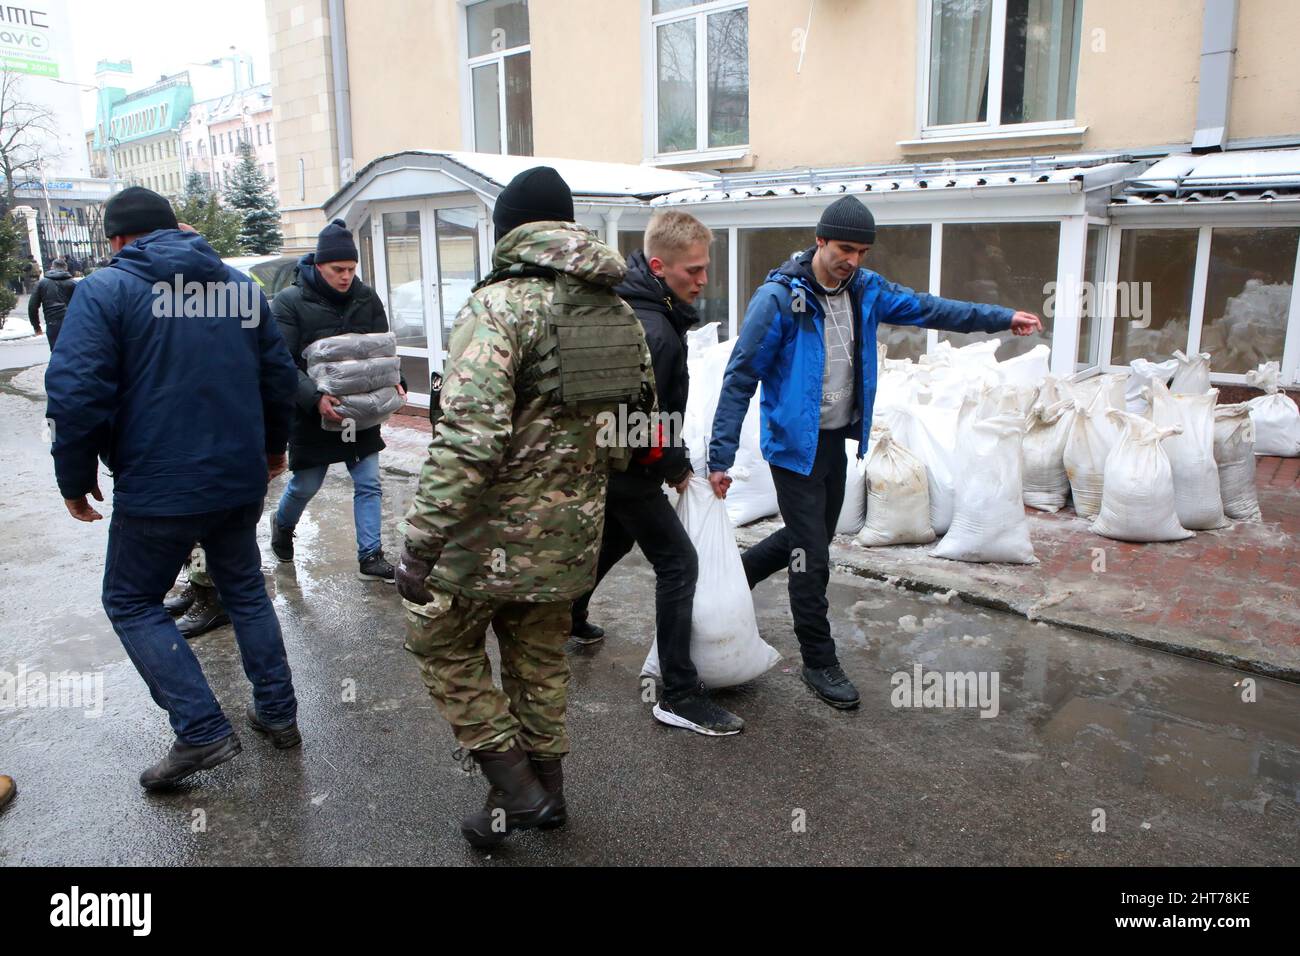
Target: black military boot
205, 614
283, 738
584, 632
550, 772
179, 603
521, 802
183, 760
281, 542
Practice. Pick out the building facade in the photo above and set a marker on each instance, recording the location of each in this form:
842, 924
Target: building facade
214, 129
137, 136
1135, 179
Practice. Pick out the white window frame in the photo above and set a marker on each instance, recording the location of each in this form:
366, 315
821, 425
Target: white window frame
468, 64
992, 127
649, 48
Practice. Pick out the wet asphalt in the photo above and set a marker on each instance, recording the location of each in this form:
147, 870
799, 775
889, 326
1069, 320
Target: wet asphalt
1101, 753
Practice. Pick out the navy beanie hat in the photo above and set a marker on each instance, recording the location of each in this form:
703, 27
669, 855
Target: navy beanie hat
334, 244
135, 211
847, 220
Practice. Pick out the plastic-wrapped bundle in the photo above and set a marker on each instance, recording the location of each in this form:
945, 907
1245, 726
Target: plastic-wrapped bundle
1276, 417
354, 376
1046, 485
364, 410
898, 495
1138, 503
1191, 455
1193, 374
351, 345
1234, 452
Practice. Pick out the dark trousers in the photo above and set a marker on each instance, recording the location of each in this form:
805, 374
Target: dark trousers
810, 507
144, 556
52, 331
645, 518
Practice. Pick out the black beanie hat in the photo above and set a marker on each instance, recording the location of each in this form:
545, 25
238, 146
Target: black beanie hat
135, 211
535, 195
334, 244
848, 220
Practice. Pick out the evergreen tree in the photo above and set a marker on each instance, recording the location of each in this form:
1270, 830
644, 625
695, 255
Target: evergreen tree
249, 194
200, 208
10, 266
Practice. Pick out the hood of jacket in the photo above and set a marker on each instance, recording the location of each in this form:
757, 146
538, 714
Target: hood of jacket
642, 289
564, 247
164, 254
58, 275
798, 270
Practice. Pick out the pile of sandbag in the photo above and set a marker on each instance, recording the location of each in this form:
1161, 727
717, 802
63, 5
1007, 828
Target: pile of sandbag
1138, 501
363, 370
898, 495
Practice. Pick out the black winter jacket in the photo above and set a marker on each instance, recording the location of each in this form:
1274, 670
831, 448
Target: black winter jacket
53, 293
306, 311
665, 319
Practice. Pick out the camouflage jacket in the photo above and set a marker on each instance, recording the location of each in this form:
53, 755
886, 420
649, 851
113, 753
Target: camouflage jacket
511, 499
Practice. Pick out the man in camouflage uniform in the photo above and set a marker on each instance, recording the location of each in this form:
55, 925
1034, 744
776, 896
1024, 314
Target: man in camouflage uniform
506, 523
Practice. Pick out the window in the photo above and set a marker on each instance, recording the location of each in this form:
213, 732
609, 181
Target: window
1000, 263
456, 235
1248, 296
1153, 314
268, 133
996, 63
712, 303
259, 136
405, 279
500, 76
901, 254
759, 251
701, 90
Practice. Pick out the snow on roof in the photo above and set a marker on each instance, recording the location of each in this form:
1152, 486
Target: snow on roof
585, 177
1256, 174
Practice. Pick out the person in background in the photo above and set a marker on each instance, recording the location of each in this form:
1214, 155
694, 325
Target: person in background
52, 295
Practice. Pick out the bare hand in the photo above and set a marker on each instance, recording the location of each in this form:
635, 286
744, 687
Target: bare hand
1025, 323
401, 392
275, 465
682, 485
720, 481
326, 408
81, 509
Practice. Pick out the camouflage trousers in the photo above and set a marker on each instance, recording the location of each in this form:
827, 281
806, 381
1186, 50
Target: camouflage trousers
449, 636
197, 569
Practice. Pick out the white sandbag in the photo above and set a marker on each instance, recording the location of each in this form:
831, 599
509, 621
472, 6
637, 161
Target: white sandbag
365, 410
988, 521
354, 376
1234, 452
1276, 417
930, 433
1028, 369
1191, 455
1111, 385
351, 345
1092, 435
752, 495
725, 646
706, 362
898, 495
1138, 504
1050, 391
1140, 376
1193, 374
1046, 485
853, 513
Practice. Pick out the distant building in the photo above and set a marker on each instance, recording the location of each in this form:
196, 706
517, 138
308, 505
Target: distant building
138, 134
212, 132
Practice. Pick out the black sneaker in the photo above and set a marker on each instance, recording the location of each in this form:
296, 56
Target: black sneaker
281, 541
282, 737
832, 685
205, 614
700, 714
375, 568
183, 760
588, 633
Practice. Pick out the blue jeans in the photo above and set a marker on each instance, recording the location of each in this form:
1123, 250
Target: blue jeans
144, 556
366, 499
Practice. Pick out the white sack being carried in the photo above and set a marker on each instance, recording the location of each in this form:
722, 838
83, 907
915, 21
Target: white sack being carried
988, 521
853, 513
364, 410
725, 646
1191, 455
930, 433
752, 495
1141, 374
898, 495
351, 345
1276, 417
1193, 374
705, 364
354, 376
1138, 504
1046, 485
1092, 435
1234, 451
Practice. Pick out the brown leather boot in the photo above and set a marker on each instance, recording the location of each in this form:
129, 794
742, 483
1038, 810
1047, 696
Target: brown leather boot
550, 772
522, 802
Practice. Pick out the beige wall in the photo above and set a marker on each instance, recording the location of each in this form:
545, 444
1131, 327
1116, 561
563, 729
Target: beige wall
1266, 81
403, 67
587, 81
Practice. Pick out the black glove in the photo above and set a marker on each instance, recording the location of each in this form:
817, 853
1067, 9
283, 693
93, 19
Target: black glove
412, 570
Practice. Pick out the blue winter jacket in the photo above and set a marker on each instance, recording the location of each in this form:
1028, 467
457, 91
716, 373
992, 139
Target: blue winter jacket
182, 392
784, 348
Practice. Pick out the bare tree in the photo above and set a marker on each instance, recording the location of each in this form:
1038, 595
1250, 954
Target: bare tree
25, 128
